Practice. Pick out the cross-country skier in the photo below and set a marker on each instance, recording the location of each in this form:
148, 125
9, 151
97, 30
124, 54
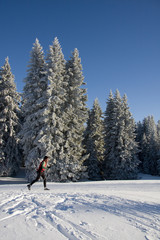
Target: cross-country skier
41, 173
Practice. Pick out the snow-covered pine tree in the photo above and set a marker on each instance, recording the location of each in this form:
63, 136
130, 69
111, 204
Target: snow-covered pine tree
144, 153
109, 136
129, 155
52, 138
158, 145
34, 102
158, 133
112, 116
95, 142
149, 146
77, 114
121, 149
9, 122
139, 140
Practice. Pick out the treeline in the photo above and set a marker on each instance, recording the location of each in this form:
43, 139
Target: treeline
51, 118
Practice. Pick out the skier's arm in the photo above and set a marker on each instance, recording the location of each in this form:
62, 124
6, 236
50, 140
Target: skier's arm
49, 166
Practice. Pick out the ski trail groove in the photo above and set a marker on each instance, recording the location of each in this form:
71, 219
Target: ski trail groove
48, 211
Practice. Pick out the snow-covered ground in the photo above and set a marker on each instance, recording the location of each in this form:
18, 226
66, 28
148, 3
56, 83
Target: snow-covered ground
105, 210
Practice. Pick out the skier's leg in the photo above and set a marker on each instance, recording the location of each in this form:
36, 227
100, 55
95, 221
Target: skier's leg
44, 179
36, 179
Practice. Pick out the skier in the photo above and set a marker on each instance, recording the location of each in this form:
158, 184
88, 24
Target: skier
40, 173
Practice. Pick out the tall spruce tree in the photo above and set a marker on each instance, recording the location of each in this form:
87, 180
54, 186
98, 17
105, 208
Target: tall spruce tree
158, 146
95, 142
121, 149
139, 140
112, 114
130, 146
34, 102
149, 146
158, 134
77, 114
9, 122
52, 137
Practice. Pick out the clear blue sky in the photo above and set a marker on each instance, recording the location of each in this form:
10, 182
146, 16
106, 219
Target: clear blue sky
118, 41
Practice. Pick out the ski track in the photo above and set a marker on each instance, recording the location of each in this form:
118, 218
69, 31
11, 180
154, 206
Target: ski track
141, 215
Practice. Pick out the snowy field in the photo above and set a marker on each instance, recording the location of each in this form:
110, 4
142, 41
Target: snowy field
105, 210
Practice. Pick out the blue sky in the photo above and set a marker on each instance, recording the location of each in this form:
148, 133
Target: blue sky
118, 41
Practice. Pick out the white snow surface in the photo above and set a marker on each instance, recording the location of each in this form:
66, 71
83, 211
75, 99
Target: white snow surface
102, 210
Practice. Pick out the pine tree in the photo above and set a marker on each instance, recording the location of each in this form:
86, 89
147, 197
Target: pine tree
158, 133
112, 115
9, 122
145, 152
95, 142
139, 140
52, 138
121, 149
130, 146
77, 114
149, 146
158, 147
34, 102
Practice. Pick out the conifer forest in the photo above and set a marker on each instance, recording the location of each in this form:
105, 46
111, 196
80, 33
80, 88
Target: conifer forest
50, 117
